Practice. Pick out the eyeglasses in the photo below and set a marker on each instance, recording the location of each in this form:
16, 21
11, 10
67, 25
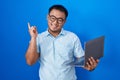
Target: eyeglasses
53, 18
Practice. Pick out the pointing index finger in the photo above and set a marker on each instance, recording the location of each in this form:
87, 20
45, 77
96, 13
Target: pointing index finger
28, 25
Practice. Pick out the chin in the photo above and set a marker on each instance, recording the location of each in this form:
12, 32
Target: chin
54, 30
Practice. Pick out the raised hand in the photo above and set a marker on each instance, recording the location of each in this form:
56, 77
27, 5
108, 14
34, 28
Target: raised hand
32, 30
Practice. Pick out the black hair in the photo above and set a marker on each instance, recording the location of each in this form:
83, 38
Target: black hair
60, 8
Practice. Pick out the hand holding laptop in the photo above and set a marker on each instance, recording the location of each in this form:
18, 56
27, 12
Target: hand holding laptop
91, 64
94, 50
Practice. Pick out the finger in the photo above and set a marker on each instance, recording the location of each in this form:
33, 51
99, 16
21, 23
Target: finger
93, 60
97, 60
28, 25
88, 65
90, 61
34, 29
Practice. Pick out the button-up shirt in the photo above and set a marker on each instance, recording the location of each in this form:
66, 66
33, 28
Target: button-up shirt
56, 53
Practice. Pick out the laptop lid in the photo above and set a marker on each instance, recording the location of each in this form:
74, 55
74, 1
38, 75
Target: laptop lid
94, 48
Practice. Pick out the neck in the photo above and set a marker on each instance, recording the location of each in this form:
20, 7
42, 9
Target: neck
54, 33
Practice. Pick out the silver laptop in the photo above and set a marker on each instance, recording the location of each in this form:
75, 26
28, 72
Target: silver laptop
93, 48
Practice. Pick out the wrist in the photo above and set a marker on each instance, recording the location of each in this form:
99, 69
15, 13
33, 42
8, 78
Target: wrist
33, 38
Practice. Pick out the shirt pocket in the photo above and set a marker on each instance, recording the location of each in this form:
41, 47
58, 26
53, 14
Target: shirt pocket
65, 52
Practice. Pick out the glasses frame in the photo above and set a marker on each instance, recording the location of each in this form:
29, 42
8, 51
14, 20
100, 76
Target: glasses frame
59, 20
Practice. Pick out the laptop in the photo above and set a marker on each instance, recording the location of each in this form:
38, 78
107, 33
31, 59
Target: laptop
93, 48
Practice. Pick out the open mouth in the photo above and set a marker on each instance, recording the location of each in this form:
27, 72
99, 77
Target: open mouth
54, 26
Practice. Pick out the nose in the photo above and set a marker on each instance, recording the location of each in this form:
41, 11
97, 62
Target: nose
56, 22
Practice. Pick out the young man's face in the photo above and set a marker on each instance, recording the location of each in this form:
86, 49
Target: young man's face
56, 20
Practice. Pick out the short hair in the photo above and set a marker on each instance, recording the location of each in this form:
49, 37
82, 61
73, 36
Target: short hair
60, 8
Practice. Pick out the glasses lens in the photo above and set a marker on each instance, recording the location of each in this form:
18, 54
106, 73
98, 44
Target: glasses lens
53, 18
60, 21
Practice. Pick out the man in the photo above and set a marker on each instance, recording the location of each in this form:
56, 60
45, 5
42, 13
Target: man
56, 48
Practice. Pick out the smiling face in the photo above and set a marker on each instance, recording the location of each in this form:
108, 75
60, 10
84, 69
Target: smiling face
56, 20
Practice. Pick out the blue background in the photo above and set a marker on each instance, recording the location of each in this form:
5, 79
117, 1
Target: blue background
87, 18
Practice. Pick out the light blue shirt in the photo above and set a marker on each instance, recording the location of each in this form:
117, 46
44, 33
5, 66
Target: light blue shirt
56, 53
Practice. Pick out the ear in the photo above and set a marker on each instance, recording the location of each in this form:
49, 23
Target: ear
47, 17
64, 21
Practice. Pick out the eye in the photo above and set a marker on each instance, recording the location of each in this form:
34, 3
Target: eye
60, 20
52, 18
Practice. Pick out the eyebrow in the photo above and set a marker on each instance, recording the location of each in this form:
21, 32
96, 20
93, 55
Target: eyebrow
56, 17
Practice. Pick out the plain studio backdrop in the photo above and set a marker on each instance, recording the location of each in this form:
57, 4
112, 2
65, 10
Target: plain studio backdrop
87, 18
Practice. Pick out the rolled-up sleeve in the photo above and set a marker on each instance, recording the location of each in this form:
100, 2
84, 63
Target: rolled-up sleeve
78, 50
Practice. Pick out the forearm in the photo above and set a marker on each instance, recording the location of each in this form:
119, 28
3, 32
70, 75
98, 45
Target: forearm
31, 54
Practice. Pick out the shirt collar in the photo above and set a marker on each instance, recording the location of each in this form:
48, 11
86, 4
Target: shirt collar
61, 33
